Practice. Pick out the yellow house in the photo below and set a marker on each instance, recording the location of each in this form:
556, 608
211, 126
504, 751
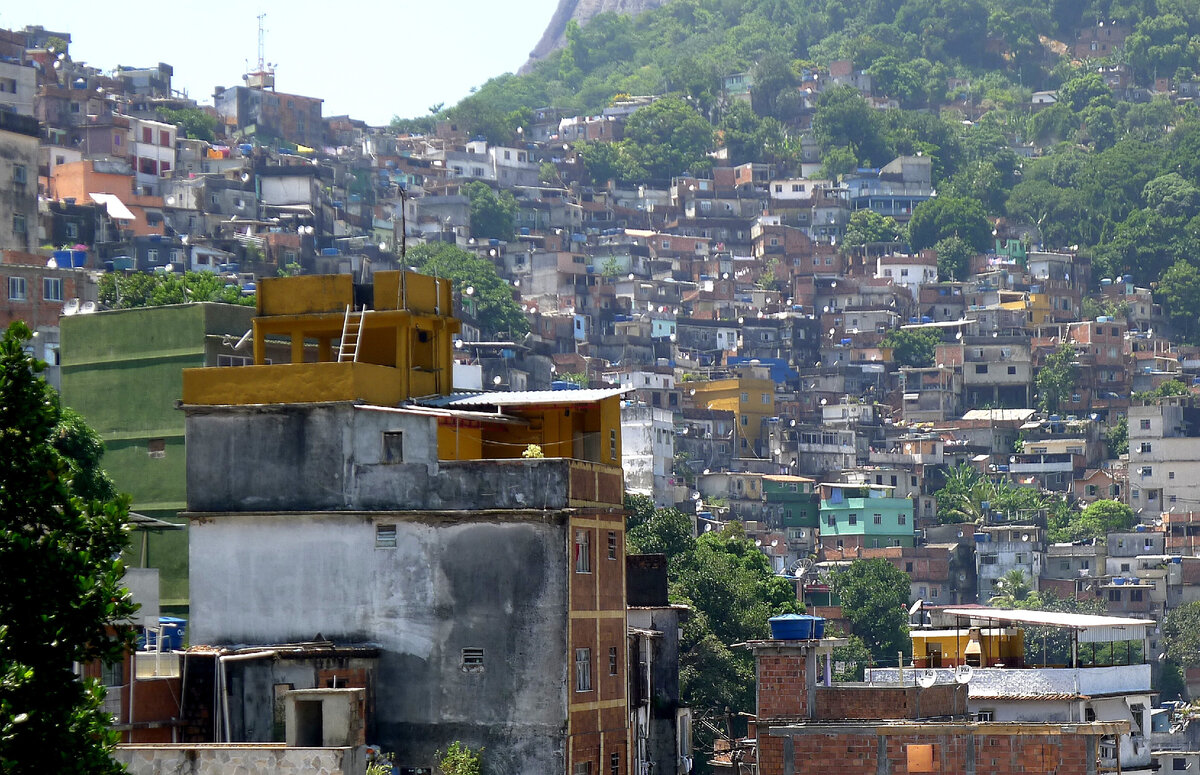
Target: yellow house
390, 344
752, 401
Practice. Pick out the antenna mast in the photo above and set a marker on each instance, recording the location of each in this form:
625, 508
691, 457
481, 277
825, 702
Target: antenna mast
262, 36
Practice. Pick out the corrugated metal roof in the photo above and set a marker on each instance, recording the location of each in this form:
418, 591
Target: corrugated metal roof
1003, 415
526, 397
1100, 629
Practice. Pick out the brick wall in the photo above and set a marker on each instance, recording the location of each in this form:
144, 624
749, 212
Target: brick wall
938, 748
854, 701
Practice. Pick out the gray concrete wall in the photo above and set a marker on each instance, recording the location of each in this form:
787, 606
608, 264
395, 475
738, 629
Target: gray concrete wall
330, 457
222, 759
447, 584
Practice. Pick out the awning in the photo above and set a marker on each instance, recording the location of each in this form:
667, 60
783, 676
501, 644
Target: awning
115, 207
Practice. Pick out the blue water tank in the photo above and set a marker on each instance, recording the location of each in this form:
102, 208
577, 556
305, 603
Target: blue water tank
791, 627
1118, 580
564, 384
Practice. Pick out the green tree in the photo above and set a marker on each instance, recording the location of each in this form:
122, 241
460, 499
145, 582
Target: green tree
844, 119
944, 216
82, 448
1011, 589
1181, 634
144, 289
497, 311
868, 226
1097, 520
609, 161
953, 258
60, 551
1180, 292
493, 214
192, 122
915, 347
874, 597
1117, 438
1056, 378
962, 496
667, 138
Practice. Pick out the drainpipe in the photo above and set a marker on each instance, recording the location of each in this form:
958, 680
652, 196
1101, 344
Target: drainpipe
223, 679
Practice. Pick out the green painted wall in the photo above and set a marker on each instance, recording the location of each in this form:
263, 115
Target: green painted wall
123, 371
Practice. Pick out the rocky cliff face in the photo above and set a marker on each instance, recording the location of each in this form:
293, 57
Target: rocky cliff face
582, 11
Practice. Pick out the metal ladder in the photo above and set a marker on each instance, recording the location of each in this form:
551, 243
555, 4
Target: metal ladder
351, 330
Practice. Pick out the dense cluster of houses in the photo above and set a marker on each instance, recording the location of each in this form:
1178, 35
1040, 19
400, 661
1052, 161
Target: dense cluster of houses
749, 341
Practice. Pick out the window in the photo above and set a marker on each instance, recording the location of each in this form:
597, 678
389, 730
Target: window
393, 446
1012, 369
1064, 565
1179, 763
583, 557
472, 660
920, 758
745, 397
614, 763
985, 715
156, 448
981, 368
385, 536
901, 519
1144, 425
908, 567
71, 230
583, 670
18, 223
831, 520
612, 545
152, 256
19, 175
1114, 595
766, 398
583, 768
933, 591
52, 288
1145, 447
612, 661
853, 519
987, 559
1135, 595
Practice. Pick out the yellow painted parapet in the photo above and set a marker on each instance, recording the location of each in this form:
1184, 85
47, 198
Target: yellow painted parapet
290, 383
419, 294
304, 295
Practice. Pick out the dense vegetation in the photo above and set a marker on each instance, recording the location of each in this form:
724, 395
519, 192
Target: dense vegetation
1119, 179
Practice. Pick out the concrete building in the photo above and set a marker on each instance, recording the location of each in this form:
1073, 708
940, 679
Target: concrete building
1164, 456
290, 117
999, 550
18, 182
648, 452
477, 539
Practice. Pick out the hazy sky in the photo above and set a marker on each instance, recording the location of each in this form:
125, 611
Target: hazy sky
371, 60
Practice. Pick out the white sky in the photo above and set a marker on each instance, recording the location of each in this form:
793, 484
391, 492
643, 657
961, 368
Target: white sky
371, 60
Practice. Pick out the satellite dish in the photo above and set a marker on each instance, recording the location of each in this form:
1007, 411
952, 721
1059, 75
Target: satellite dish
926, 678
757, 542
170, 200
245, 176
1025, 537
960, 534
775, 542
963, 674
708, 527
916, 606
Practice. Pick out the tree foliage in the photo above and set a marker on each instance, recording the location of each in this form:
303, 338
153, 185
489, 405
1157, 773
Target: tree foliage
1056, 378
497, 310
60, 552
493, 214
144, 289
915, 347
937, 219
732, 590
1095, 521
867, 226
1181, 634
192, 122
874, 596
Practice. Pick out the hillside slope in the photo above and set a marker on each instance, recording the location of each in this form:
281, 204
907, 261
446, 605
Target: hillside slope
581, 11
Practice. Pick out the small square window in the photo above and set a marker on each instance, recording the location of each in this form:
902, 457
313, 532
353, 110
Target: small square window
52, 288
156, 448
16, 288
393, 446
385, 536
472, 660
1144, 425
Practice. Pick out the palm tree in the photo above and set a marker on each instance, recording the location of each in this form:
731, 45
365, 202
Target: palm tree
963, 496
1011, 588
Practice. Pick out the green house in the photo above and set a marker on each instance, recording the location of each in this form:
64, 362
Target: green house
123, 371
864, 516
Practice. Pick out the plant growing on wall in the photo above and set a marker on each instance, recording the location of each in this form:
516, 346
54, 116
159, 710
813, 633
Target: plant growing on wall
460, 759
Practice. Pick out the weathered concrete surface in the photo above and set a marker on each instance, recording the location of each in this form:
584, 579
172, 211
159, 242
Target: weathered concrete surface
446, 585
330, 457
245, 759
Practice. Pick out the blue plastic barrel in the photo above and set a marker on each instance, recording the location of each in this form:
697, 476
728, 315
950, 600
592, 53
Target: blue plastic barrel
791, 627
